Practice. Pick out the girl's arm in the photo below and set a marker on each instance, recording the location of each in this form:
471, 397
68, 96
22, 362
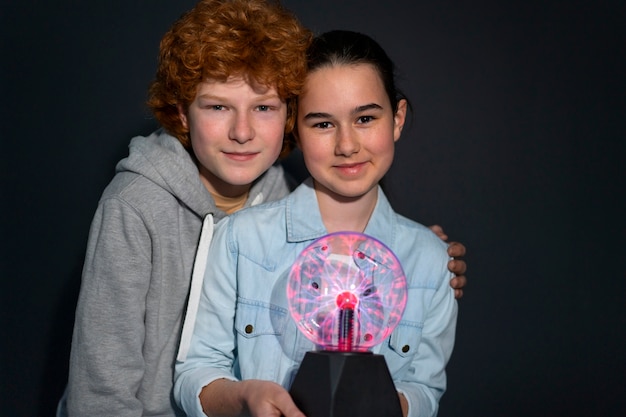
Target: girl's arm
204, 381
425, 385
211, 352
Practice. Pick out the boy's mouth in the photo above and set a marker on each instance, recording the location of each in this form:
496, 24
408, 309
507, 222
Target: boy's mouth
241, 156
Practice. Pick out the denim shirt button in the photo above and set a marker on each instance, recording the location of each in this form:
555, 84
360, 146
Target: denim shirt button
249, 328
405, 348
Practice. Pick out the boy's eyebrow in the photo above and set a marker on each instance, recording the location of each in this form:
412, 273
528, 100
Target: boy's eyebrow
356, 110
218, 97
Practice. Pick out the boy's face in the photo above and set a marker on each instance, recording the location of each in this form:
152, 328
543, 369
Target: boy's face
236, 132
346, 129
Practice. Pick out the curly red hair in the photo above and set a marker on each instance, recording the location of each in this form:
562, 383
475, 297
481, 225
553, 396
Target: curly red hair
257, 39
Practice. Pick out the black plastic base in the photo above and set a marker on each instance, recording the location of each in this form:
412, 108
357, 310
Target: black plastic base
338, 384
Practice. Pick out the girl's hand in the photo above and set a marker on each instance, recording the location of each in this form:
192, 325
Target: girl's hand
267, 399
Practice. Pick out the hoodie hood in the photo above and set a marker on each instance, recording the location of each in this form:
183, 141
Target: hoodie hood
162, 159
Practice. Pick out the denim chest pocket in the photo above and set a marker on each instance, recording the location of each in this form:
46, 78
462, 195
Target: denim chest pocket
260, 331
254, 319
405, 339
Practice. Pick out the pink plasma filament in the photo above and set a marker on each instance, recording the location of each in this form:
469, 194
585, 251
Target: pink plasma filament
346, 301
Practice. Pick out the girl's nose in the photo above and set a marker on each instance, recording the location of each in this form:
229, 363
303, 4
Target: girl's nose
347, 142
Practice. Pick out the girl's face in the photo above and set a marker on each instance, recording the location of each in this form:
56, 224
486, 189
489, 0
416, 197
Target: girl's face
236, 130
347, 129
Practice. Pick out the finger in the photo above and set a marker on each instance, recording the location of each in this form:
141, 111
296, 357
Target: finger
438, 230
290, 410
284, 403
459, 282
457, 266
456, 249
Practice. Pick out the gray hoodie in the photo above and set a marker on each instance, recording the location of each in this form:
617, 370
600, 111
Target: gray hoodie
136, 279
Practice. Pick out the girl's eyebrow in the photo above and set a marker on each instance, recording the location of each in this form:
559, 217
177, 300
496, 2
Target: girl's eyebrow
356, 110
316, 115
371, 106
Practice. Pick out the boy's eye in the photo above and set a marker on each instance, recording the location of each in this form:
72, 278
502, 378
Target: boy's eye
365, 119
217, 107
263, 108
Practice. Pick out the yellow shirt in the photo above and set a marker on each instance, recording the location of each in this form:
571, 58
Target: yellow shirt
229, 205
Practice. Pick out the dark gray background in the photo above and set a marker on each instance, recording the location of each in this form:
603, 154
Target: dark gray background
516, 148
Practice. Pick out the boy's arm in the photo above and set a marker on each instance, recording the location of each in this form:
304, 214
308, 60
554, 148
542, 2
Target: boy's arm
107, 364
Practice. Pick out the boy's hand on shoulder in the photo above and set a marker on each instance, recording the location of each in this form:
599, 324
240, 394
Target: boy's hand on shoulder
457, 266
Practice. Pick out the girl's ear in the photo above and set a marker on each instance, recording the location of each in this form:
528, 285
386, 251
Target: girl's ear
399, 118
183, 116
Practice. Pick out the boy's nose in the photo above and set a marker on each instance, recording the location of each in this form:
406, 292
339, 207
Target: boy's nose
241, 129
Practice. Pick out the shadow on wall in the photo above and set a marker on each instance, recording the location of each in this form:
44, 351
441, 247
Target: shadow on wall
56, 364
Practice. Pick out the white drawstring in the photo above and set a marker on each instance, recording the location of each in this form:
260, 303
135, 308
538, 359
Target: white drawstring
199, 266
257, 200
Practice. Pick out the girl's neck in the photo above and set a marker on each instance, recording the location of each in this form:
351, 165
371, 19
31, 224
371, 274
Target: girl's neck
345, 213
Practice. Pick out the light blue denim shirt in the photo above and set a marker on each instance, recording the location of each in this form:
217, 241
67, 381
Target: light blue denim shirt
243, 328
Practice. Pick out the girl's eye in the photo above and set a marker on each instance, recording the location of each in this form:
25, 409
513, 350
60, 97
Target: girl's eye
217, 107
322, 125
263, 108
365, 119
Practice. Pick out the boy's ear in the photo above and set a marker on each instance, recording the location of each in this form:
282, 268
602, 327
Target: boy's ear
399, 118
183, 116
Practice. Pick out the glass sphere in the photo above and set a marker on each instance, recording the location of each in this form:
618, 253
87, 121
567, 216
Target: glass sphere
346, 292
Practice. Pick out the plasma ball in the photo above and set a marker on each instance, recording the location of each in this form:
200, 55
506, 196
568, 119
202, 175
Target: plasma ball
346, 292
346, 300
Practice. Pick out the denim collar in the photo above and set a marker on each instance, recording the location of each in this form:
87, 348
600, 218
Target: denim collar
304, 221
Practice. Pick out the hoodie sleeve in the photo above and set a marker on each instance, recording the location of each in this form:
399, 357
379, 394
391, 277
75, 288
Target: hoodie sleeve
106, 364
